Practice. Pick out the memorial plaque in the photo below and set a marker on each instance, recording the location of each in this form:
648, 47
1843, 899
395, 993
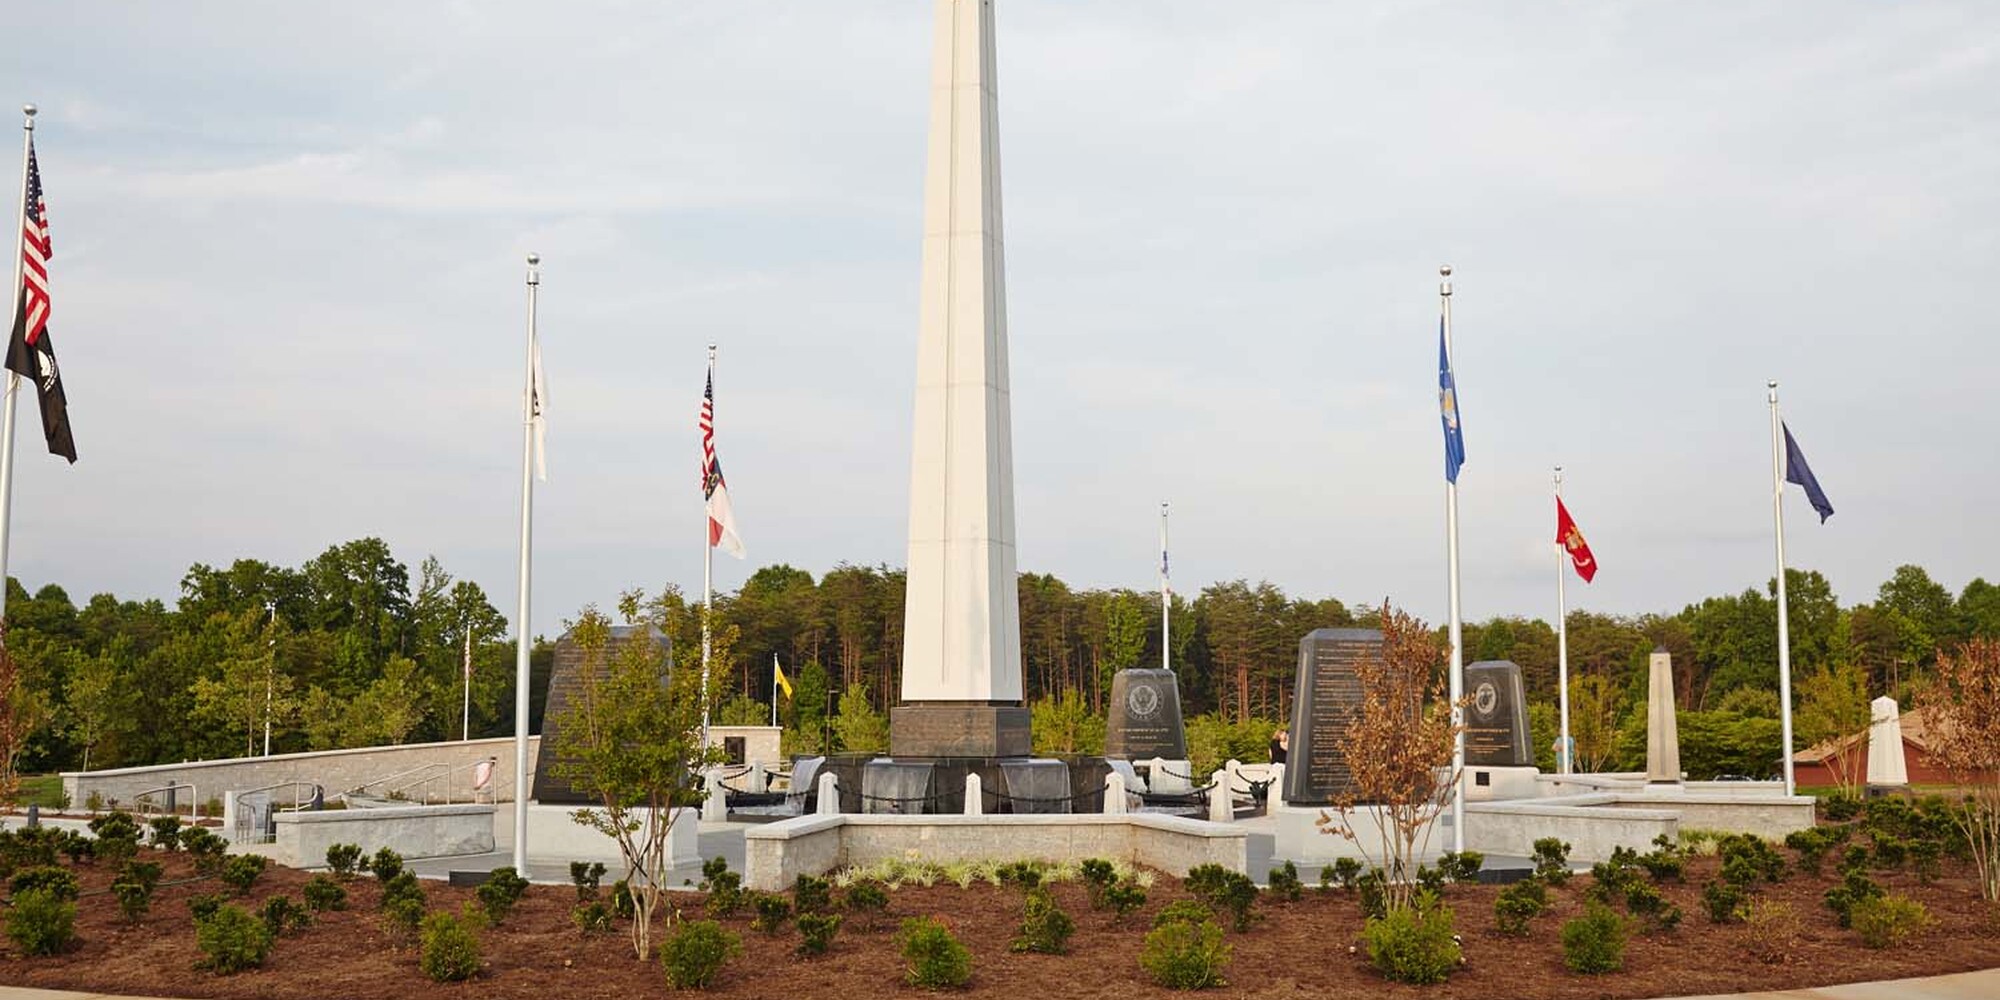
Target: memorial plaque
1496, 720
1327, 696
1144, 717
565, 681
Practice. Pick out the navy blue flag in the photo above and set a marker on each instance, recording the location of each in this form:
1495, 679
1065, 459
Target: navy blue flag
1797, 471
1454, 437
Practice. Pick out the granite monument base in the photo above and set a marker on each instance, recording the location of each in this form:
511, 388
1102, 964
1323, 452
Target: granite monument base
958, 729
936, 785
1501, 784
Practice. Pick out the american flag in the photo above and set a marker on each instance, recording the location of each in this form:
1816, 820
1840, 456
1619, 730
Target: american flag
721, 519
35, 255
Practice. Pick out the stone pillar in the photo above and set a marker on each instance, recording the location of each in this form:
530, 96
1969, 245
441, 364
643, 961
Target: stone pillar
1114, 793
1275, 795
715, 806
975, 796
829, 794
961, 625
1886, 767
758, 780
1663, 741
1221, 805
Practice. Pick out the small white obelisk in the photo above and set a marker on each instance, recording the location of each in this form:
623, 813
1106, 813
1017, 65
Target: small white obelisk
1663, 740
961, 622
1886, 767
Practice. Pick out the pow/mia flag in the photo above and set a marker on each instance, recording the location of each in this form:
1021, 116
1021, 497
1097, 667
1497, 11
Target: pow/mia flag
29, 352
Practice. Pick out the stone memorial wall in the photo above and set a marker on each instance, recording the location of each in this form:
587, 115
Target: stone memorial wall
1327, 695
565, 680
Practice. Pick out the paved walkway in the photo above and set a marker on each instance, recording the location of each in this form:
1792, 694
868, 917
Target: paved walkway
1962, 986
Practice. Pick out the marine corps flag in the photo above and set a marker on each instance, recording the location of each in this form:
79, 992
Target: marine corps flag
30, 354
1572, 542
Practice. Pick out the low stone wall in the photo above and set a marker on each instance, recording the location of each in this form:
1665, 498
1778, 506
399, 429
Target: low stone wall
777, 854
1768, 816
1591, 830
336, 770
411, 831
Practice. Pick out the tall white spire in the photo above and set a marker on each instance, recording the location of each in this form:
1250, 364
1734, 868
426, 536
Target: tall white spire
962, 630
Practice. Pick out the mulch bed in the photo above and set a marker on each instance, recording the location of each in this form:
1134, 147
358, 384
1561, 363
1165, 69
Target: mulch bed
1295, 950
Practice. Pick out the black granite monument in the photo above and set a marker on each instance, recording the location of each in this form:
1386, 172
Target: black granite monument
1496, 722
565, 679
1327, 696
1144, 717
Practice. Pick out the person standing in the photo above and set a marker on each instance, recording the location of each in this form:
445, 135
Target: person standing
1281, 743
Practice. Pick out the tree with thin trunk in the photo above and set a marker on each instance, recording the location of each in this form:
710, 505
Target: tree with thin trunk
1833, 706
1962, 714
1398, 746
632, 738
22, 715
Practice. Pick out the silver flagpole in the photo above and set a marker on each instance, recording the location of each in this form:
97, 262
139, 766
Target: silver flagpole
774, 689
13, 380
1166, 596
1784, 612
522, 632
707, 564
1565, 750
465, 725
1457, 636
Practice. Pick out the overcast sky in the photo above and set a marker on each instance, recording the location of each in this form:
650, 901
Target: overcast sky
288, 287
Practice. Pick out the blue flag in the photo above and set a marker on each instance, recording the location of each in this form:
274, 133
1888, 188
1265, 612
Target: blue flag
1454, 437
1797, 471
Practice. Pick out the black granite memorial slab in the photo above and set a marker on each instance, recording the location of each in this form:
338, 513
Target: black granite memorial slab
1327, 696
565, 680
1496, 720
1144, 716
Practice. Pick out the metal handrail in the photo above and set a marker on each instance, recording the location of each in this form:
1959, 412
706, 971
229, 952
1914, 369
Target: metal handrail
446, 777
385, 779
234, 823
194, 802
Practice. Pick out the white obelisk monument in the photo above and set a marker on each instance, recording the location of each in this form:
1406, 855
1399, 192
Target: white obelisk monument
961, 627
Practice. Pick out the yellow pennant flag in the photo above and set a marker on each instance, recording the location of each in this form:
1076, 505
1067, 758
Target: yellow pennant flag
782, 681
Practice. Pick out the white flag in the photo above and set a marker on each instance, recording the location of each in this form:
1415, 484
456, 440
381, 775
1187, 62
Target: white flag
538, 402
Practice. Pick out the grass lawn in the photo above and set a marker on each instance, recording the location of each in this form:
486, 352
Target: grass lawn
43, 790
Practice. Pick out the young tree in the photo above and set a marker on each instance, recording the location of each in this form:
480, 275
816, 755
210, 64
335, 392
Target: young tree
1594, 706
632, 738
1064, 724
23, 713
1833, 705
1399, 748
859, 727
1962, 712
94, 698
249, 689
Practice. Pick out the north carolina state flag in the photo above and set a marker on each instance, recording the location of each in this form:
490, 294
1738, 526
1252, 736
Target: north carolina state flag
1572, 542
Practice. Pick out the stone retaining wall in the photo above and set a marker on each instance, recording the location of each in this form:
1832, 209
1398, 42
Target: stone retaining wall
337, 770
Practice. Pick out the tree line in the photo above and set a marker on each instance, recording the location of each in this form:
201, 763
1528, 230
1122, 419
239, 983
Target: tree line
351, 648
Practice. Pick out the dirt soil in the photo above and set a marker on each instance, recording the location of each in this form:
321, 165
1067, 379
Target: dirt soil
1295, 950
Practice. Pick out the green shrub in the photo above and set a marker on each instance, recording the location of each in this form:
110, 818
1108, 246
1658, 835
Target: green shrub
1840, 808
1519, 904
54, 880
323, 893
621, 900
134, 888
203, 906
205, 847
450, 950
1284, 882
403, 915
166, 833
1124, 897
1430, 880
386, 864
1890, 851
498, 894
1343, 871
1924, 860
231, 940
1413, 944
1461, 866
816, 932
117, 836
1723, 901
76, 846
40, 922
586, 875
1045, 928
1854, 859
1224, 891
591, 918
241, 871
1645, 900
1746, 858
1595, 942
772, 912
812, 895
696, 951
1855, 888
1098, 876
932, 958
867, 898
1186, 911
1371, 893
1811, 844
1552, 860
344, 860
1664, 864
1186, 955
403, 886
1888, 920
725, 893
284, 916
1026, 874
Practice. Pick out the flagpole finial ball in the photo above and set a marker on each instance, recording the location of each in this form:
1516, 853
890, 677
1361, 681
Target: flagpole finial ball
1444, 270
534, 259
29, 110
